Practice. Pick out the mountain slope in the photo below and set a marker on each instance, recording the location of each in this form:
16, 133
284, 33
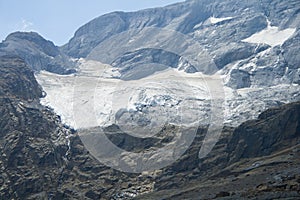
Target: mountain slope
219, 27
257, 160
250, 46
33, 142
37, 52
41, 159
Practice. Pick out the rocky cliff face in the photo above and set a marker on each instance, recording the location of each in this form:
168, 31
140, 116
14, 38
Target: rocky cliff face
38, 53
33, 142
227, 31
17, 79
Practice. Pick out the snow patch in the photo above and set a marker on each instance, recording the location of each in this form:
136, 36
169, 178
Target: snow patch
271, 36
214, 20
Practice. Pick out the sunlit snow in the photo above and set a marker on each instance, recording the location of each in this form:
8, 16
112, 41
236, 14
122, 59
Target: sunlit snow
212, 20
271, 35
93, 96
215, 20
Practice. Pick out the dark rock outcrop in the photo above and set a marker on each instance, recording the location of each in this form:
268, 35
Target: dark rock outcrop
33, 142
239, 79
274, 130
133, 66
17, 79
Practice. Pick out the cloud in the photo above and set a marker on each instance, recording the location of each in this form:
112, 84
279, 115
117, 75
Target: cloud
25, 25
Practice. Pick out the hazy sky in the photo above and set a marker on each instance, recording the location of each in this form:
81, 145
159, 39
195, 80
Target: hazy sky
57, 20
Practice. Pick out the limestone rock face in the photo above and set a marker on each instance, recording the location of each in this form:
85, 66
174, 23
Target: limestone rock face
33, 142
38, 53
232, 34
17, 79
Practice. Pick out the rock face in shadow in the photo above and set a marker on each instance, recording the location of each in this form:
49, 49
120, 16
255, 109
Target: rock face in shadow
38, 53
17, 79
274, 130
258, 159
133, 66
33, 143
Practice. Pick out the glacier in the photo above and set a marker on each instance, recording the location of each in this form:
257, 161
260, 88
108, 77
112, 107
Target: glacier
94, 97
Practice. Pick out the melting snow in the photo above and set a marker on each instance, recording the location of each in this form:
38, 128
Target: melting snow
215, 20
212, 20
271, 36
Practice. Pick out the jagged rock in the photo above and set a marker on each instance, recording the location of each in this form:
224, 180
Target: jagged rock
32, 140
17, 79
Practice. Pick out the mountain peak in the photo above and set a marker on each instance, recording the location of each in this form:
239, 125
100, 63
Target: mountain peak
37, 52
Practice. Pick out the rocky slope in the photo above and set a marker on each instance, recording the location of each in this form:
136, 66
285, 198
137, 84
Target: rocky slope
257, 160
33, 142
38, 53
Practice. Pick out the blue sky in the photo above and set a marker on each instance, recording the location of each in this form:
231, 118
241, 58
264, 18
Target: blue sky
57, 20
